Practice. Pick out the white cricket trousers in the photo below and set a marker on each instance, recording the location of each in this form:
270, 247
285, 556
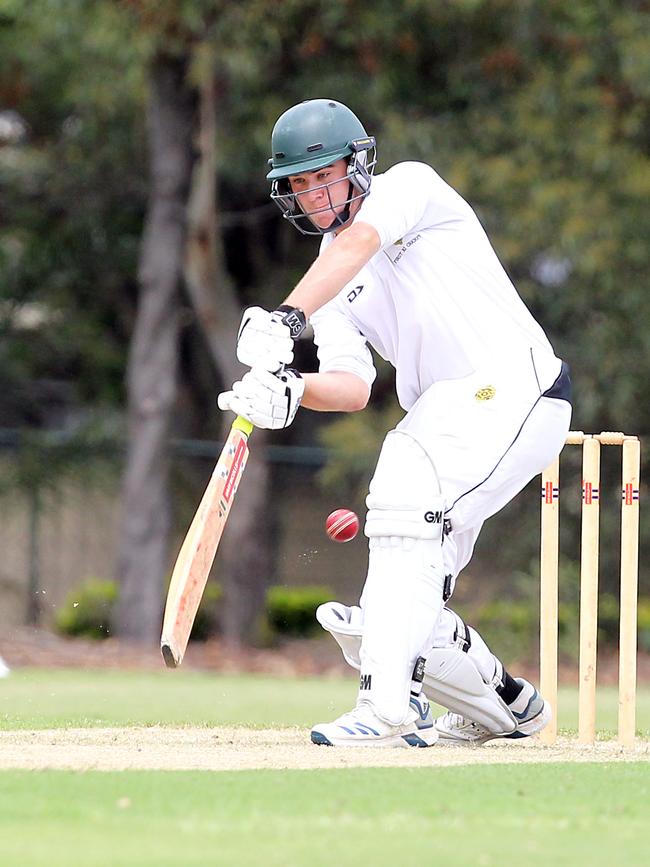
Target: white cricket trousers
484, 437
487, 435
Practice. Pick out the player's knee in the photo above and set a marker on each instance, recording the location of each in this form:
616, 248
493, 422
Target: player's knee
405, 501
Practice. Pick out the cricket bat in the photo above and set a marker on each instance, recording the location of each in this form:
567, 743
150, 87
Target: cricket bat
198, 550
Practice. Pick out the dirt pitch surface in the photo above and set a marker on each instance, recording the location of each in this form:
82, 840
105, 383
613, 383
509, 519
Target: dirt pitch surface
231, 749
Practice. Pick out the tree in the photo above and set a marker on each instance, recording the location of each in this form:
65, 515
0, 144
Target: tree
71, 201
243, 565
538, 112
153, 361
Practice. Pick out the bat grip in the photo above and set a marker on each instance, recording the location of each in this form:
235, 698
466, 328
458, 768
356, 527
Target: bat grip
243, 424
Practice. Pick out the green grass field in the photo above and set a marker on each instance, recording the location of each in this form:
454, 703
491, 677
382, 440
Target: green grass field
547, 815
58, 698
541, 814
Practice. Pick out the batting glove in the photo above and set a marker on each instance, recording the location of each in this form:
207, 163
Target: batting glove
266, 339
268, 400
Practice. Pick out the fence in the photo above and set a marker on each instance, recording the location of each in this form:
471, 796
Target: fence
59, 525
60, 519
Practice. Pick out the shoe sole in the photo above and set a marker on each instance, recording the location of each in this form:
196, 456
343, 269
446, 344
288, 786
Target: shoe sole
452, 740
534, 725
524, 730
407, 740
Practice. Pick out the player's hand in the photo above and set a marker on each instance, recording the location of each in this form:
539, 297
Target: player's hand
268, 400
266, 338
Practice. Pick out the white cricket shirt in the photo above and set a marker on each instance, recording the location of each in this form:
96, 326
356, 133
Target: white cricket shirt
434, 301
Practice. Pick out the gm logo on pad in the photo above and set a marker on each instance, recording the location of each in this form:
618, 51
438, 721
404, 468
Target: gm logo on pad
433, 517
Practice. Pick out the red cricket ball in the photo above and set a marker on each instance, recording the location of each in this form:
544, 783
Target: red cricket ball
342, 525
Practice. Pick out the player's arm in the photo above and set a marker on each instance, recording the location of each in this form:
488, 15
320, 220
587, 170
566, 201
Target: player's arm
266, 338
335, 391
335, 267
389, 213
271, 399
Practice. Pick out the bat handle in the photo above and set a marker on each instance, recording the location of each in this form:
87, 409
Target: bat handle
243, 424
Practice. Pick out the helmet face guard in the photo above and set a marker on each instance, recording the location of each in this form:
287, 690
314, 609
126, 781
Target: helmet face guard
361, 164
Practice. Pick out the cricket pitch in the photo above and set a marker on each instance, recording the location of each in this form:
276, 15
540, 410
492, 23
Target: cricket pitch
235, 748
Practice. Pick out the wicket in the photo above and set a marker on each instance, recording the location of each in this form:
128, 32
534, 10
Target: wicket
549, 585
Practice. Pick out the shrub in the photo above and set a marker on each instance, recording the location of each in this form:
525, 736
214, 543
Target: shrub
88, 610
609, 625
291, 611
510, 628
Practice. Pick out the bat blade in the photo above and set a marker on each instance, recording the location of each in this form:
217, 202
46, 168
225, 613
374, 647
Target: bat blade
198, 550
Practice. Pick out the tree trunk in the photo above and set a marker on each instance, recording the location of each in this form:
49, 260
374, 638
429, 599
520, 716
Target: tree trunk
241, 566
153, 361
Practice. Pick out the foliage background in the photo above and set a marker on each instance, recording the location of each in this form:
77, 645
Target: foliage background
537, 112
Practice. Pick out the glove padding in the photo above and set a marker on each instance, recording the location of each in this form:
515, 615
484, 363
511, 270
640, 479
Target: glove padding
265, 339
266, 399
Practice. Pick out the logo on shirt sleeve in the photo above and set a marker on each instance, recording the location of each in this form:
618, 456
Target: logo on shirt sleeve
354, 293
405, 246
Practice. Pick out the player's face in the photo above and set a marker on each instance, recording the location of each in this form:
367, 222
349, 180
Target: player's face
322, 194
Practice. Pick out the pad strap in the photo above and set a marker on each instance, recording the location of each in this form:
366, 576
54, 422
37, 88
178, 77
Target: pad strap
411, 523
452, 680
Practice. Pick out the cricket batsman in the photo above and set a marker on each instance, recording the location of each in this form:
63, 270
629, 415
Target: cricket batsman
405, 267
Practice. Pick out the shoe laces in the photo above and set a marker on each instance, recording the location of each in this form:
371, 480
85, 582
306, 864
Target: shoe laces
359, 713
457, 721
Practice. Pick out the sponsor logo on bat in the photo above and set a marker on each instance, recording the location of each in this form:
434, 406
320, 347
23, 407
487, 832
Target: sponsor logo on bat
235, 469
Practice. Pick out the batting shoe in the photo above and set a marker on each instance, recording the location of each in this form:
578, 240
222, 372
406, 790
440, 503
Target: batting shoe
529, 709
362, 727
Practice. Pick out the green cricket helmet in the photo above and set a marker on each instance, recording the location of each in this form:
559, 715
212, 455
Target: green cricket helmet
310, 136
